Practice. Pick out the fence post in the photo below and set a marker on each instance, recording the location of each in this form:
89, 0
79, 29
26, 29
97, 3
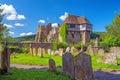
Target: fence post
5, 65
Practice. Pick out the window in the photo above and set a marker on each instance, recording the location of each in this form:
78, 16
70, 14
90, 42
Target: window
72, 35
71, 26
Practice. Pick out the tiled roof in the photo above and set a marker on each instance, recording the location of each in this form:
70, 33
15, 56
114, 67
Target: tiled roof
71, 19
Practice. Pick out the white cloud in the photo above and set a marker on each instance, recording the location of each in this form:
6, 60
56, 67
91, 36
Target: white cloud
63, 17
11, 33
23, 34
20, 17
8, 26
11, 13
29, 33
26, 34
41, 21
18, 24
54, 24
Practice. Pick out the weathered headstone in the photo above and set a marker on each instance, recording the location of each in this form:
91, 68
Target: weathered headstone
115, 50
56, 53
34, 51
101, 52
5, 65
67, 49
68, 64
90, 50
83, 67
49, 51
52, 65
110, 58
60, 51
52, 52
40, 52
74, 50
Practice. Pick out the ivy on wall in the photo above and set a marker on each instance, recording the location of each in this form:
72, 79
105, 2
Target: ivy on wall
63, 32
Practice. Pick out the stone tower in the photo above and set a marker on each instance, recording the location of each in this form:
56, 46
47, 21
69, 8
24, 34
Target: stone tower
79, 29
41, 34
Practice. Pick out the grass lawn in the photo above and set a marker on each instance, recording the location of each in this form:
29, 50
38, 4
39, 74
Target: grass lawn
23, 74
36, 60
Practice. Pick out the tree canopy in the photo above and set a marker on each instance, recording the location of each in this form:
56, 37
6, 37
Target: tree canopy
3, 28
112, 38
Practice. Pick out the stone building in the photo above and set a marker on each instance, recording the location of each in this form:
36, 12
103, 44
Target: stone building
79, 29
46, 33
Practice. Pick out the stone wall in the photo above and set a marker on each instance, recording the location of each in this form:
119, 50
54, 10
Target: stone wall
77, 36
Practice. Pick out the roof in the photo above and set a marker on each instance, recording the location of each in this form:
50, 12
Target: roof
71, 19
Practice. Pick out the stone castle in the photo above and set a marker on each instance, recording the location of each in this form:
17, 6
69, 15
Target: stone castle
79, 30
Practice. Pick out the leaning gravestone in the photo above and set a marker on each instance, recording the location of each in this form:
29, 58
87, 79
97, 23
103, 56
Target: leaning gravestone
68, 64
83, 67
5, 65
52, 65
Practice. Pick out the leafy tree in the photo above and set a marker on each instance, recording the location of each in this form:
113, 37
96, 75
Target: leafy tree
114, 29
3, 29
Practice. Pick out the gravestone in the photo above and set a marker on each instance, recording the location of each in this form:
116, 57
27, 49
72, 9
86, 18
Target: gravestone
68, 64
101, 52
5, 65
67, 49
34, 52
49, 51
90, 50
52, 52
52, 65
83, 67
40, 52
110, 58
61, 51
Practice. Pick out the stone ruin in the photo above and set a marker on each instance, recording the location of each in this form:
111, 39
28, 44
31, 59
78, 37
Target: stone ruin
78, 67
46, 33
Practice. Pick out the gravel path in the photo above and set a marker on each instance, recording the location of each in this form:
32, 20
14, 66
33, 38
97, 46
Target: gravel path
98, 74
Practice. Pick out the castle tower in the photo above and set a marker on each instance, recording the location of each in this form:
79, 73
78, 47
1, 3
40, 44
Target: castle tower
79, 29
41, 34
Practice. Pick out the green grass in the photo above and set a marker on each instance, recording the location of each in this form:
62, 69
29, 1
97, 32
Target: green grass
22, 74
35, 60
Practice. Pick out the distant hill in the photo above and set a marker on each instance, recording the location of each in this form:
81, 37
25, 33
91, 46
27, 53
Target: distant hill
94, 35
29, 38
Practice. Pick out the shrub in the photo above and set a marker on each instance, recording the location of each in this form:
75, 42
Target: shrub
63, 32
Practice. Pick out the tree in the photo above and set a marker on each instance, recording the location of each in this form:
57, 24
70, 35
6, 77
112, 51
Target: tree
114, 29
3, 28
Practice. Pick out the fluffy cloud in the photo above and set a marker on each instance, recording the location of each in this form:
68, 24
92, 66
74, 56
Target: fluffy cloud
54, 24
63, 17
8, 26
19, 24
11, 33
11, 13
26, 34
41, 21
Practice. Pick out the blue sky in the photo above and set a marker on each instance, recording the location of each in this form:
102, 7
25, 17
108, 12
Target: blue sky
24, 16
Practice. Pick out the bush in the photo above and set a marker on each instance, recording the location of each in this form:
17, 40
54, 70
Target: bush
17, 49
57, 45
63, 32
